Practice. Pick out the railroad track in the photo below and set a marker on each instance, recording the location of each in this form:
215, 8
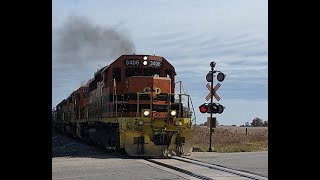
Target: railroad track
182, 166
193, 169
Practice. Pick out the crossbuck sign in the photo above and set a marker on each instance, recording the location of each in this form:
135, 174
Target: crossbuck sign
213, 91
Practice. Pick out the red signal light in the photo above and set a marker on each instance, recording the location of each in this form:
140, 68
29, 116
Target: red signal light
203, 108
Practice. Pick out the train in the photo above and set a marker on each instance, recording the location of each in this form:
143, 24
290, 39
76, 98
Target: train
130, 105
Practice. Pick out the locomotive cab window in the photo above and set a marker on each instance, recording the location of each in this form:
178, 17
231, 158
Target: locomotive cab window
92, 85
117, 74
105, 77
168, 73
151, 72
133, 72
141, 72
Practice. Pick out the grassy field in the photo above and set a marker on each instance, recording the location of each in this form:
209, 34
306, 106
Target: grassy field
231, 139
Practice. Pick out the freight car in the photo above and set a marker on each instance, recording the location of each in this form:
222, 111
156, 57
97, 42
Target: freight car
130, 105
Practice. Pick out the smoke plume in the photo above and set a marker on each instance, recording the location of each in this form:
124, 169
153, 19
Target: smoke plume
80, 42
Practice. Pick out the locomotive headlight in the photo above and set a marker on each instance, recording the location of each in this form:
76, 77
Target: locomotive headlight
140, 123
177, 123
146, 112
145, 62
173, 113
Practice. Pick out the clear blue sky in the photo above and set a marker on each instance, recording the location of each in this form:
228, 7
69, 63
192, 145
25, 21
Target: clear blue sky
188, 33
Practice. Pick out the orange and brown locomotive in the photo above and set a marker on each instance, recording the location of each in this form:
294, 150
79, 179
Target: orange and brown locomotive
130, 104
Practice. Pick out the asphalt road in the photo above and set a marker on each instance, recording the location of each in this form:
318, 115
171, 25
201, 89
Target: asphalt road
254, 162
106, 167
72, 159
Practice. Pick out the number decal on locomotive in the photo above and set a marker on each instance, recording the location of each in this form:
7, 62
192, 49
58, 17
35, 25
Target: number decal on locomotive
155, 63
132, 62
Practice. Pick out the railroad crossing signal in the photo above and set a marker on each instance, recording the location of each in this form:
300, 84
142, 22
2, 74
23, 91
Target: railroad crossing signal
212, 108
213, 91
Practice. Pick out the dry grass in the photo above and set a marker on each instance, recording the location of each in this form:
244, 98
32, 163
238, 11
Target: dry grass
231, 139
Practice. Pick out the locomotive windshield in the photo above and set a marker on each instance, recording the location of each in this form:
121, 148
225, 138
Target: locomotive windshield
141, 72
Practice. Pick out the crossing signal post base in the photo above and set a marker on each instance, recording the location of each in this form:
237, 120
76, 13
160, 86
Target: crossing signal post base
212, 121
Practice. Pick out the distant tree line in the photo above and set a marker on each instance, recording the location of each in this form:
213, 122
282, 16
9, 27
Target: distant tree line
256, 122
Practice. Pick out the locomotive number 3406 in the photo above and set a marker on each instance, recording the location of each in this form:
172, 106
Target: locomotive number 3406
132, 62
